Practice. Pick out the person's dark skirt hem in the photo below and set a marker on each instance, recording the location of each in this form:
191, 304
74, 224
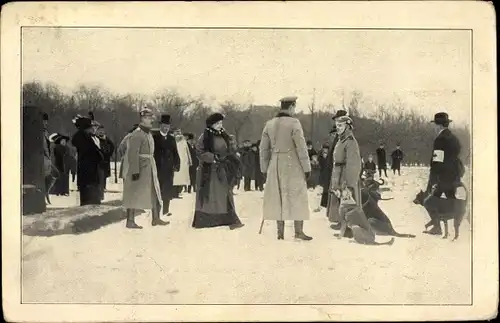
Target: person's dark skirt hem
206, 220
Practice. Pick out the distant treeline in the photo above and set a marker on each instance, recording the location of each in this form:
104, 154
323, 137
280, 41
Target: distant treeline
117, 113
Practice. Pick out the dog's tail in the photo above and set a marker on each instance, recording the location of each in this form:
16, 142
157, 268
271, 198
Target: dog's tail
403, 235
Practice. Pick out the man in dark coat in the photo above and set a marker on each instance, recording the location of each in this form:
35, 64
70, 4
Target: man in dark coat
167, 161
89, 158
397, 156
446, 167
310, 149
370, 166
108, 149
381, 160
329, 162
258, 176
194, 162
248, 165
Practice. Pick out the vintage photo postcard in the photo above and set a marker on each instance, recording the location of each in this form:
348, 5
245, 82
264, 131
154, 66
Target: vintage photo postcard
249, 161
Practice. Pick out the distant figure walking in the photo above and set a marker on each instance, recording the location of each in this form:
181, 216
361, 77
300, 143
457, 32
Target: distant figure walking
181, 178
285, 160
370, 166
397, 157
381, 160
194, 162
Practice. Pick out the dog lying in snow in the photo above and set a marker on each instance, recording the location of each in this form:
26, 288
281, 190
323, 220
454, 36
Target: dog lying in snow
442, 209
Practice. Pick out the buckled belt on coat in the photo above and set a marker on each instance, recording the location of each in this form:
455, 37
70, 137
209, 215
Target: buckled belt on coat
278, 151
339, 164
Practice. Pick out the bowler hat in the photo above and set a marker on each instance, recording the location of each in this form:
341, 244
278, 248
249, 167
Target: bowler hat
339, 113
441, 118
165, 119
214, 118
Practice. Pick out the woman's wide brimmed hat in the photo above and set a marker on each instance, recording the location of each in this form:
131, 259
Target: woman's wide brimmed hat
441, 118
214, 118
344, 119
82, 122
57, 137
339, 113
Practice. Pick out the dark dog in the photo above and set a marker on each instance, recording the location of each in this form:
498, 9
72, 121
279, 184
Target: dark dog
440, 209
379, 221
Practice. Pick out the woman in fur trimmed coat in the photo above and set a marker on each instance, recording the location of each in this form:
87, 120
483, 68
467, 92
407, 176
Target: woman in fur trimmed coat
218, 169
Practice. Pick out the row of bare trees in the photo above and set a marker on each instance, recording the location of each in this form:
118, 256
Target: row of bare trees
390, 124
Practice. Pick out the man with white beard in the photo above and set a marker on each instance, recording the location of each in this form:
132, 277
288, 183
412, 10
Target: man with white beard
181, 178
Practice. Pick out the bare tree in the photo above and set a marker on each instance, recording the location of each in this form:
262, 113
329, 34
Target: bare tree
237, 117
312, 110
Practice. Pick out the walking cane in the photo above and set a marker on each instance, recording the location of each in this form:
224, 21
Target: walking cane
261, 225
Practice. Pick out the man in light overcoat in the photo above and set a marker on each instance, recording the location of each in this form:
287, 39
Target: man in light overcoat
141, 188
285, 160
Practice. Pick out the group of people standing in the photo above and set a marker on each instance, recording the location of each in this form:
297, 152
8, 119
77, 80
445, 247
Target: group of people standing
86, 157
157, 164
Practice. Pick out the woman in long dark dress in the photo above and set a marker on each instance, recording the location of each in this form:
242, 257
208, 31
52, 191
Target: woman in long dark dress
216, 174
61, 162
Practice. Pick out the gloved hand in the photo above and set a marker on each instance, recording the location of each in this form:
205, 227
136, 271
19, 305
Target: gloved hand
135, 177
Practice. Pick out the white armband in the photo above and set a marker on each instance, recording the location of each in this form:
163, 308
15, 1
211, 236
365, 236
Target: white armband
438, 156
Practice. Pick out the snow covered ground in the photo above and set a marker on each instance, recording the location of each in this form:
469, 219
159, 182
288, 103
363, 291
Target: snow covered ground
177, 264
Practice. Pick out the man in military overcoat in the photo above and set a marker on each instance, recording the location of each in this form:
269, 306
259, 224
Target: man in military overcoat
284, 158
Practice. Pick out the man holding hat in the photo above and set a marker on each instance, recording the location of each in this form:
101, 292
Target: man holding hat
328, 200
167, 161
141, 189
446, 167
284, 158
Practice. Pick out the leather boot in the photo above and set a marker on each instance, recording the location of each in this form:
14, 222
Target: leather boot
299, 231
281, 230
131, 220
155, 212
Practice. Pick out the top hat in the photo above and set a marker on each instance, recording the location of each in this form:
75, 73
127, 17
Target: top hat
441, 118
339, 113
45, 116
189, 135
214, 118
309, 142
165, 119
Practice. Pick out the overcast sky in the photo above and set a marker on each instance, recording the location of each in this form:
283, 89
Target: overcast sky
429, 70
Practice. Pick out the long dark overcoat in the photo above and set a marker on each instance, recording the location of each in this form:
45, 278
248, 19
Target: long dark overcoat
167, 162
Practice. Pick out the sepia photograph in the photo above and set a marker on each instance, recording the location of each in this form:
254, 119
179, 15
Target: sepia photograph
227, 165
